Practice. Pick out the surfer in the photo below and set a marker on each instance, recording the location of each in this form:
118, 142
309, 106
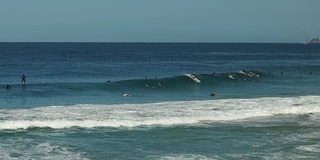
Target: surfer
232, 77
160, 84
8, 86
23, 79
148, 86
193, 77
213, 94
126, 95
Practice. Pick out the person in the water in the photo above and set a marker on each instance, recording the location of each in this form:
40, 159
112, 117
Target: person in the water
23, 79
8, 86
213, 94
160, 84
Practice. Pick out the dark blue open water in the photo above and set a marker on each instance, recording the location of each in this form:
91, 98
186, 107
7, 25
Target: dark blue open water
267, 103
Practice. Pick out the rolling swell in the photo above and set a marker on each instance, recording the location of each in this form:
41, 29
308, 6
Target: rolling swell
183, 82
180, 82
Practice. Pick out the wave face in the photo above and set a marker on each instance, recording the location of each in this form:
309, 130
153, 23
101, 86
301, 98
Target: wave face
185, 81
157, 114
175, 82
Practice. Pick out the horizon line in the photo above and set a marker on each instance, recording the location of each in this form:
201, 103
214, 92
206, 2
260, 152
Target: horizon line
149, 42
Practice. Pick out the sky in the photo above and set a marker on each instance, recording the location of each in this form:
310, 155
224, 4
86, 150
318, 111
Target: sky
270, 21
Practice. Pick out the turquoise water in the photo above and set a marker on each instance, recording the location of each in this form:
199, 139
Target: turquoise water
72, 107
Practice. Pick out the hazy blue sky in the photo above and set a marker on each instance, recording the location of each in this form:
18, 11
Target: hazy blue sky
159, 20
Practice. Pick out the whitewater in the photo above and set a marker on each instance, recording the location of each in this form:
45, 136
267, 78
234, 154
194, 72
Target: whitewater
164, 114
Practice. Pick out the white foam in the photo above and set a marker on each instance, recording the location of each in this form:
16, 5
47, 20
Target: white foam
310, 148
21, 150
161, 114
183, 157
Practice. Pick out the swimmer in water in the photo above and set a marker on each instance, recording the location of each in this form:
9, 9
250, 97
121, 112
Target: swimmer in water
213, 94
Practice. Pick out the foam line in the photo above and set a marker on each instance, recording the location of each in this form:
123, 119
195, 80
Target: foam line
159, 114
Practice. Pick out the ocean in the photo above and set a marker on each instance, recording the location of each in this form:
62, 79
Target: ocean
159, 101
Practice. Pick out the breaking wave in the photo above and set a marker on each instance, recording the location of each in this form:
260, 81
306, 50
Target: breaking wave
156, 114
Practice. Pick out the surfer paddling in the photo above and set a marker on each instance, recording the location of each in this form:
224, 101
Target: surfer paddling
213, 94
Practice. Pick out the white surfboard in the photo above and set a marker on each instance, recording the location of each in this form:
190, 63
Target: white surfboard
247, 74
231, 77
194, 78
254, 74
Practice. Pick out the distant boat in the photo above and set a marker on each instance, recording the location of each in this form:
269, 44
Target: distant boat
313, 41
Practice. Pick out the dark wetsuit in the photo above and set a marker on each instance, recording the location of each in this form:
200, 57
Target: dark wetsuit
8, 86
23, 79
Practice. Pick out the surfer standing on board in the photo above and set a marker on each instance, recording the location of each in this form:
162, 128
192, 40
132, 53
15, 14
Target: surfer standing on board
23, 79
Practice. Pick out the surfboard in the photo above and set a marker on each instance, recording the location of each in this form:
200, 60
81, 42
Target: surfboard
247, 74
194, 78
254, 74
230, 76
